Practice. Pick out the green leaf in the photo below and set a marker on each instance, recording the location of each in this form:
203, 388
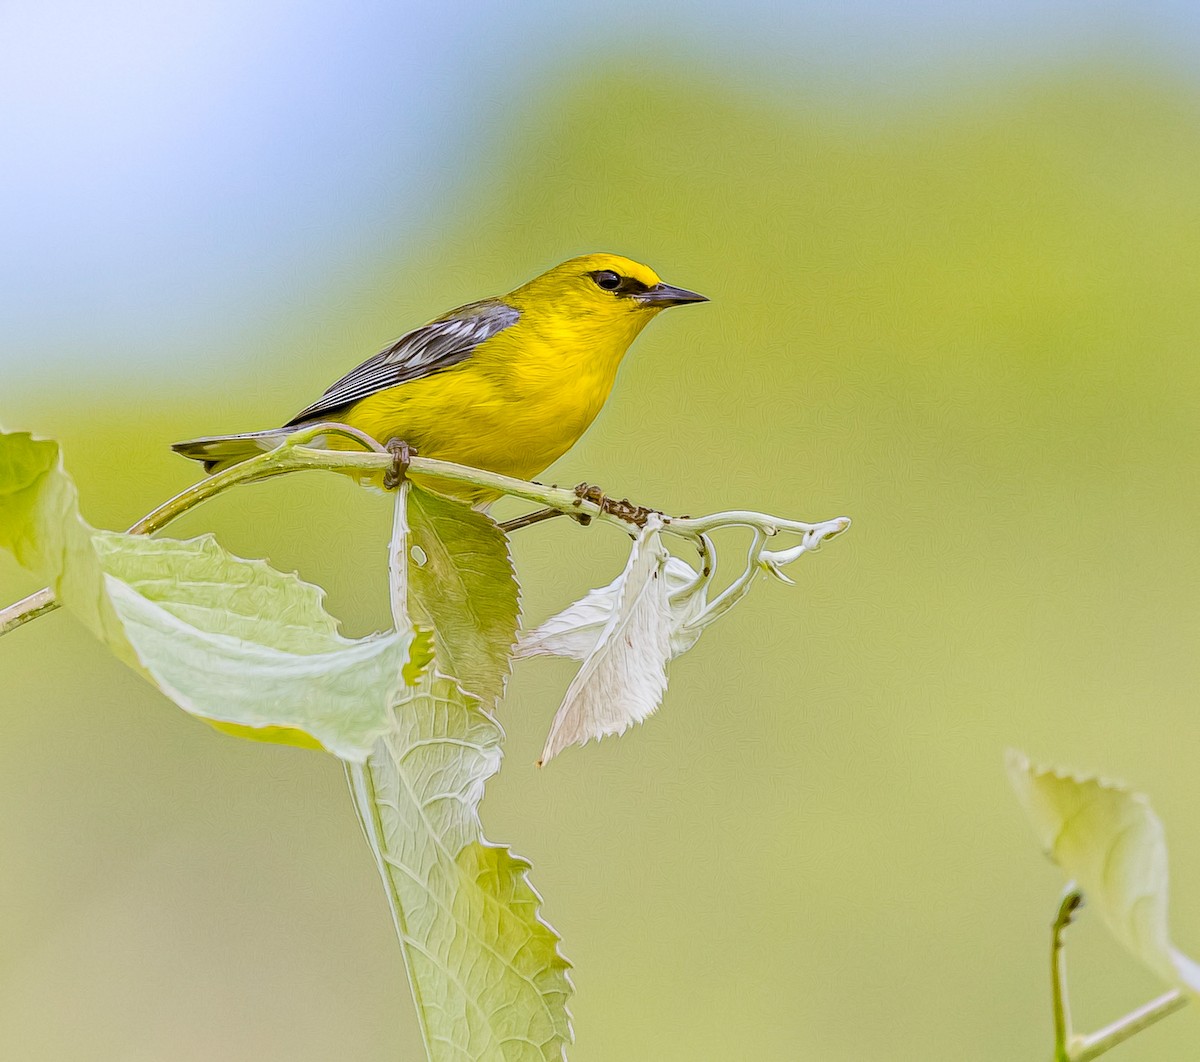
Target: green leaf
41, 526
461, 585
485, 970
1109, 841
232, 641
486, 973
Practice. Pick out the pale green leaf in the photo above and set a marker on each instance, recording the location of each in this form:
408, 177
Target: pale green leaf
1108, 840
194, 581
461, 585
41, 526
229, 640
486, 973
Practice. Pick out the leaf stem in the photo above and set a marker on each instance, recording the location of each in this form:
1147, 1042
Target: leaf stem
28, 608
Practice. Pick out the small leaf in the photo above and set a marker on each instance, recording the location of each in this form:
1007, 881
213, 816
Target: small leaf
487, 976
1109, 841
232, 641
622, 681
461, 584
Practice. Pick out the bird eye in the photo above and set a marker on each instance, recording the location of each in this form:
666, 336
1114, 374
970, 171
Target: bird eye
608, 280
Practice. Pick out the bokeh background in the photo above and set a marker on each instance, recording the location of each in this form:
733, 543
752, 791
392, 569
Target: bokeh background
953, 251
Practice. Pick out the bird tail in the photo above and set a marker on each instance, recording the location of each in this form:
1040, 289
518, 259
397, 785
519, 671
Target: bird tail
221, 451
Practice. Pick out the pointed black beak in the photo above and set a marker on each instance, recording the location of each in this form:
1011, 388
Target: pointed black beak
662, 295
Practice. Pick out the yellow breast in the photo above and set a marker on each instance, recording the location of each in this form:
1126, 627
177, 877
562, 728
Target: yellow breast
516, 405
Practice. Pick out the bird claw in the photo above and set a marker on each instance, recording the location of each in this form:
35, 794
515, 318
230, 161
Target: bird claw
623, 509
402, 455
588, 492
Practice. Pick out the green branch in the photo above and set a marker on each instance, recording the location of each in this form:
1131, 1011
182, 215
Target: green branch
294, 456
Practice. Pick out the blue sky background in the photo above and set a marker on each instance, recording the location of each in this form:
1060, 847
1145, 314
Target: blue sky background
174, 176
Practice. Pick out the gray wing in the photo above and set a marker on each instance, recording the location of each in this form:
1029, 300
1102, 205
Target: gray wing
439, 345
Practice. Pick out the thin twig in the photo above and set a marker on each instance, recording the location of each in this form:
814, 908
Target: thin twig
1067, 1046
1093, 1046
736, 590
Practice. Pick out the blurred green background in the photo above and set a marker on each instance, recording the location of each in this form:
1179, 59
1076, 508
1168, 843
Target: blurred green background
959, 307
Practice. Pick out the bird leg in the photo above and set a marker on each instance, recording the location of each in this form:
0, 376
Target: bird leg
402, 455
529, 519
624, 509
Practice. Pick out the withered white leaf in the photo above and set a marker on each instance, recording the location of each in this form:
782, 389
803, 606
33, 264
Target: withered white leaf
624, 675
575, 631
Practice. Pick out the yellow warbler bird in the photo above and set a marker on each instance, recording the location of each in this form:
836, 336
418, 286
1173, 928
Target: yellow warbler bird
507, 384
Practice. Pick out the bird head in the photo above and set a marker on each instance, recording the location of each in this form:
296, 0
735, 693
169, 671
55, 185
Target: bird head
607, 289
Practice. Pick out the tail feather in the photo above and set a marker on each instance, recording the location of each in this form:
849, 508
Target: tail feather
221, 451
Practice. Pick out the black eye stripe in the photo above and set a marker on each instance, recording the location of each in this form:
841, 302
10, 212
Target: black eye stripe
625, 285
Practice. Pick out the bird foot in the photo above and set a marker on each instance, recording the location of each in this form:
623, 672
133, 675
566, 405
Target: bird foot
624, 509
402, 455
